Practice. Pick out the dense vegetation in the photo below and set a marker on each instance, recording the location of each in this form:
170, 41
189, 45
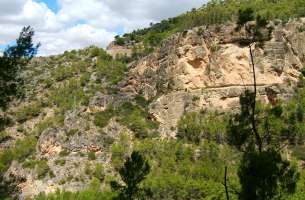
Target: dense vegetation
213, 13
262, 148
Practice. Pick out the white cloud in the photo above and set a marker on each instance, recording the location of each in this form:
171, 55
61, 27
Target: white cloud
80, 23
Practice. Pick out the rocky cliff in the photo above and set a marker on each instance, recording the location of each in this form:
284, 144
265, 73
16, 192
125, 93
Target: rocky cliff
202, 68
209, 67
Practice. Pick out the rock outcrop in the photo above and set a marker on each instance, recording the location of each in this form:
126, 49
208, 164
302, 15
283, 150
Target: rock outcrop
212, 66
205, 68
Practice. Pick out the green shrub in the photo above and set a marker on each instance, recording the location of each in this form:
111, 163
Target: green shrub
85, 78
303, 71
41, 167
299, 152
141, 101
101, 119
99, 172
88, 170
137, 120
195, 126
112, 71
28, 112
89, 194
72, 132
24, 148
62, 72
69, 95
91, 155
3, 136
47, 123
100, 53
30, 164
119, 40
119, 151
60, 162
190, 127
64, 153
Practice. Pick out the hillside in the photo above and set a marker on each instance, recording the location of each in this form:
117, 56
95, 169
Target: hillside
85, 111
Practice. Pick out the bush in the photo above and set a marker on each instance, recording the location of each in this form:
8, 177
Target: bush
195, 126
101, 119
299, 152
112, 71
60, 162
69, 95
28, 112
72, 132
245, 15
100, 53
303, 71
173, 163
47, 123
99, 172
3, 136
61, 73
41, 167
64, 153
91, 155
137, 120
24, 148
119, 151
88, 194
119, 41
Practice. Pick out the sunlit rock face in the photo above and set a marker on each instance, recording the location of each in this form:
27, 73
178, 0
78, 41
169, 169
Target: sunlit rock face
213, 66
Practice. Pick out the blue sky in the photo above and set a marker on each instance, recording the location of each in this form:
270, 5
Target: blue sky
52, 4
62, 25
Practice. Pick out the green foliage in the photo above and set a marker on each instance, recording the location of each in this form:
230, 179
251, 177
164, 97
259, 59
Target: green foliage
60, 162
264, 175
61, 73
119, 40
101, 119
99, 172
245, 15
91, 155
133, 172
69, 95
72, 132
22, 149
88, 194
119, 151
111, 71
100, 53
134, 117
137, 120
41, 167
303, 71
181, 171
28, 112
64, 153
3, 136
47, 123
298, 152
195, 126
12, 63
216, 12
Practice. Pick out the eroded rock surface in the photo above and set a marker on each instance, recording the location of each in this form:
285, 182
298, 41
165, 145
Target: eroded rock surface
211, 64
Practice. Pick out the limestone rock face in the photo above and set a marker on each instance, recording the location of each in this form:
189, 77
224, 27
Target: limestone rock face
205, 68
212, 64
116, 50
